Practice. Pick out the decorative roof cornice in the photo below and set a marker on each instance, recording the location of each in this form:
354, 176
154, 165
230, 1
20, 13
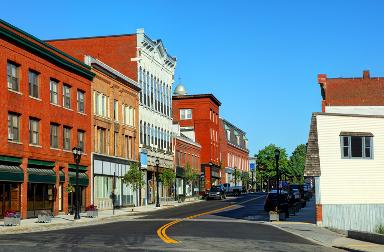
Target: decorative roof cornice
44, 50
197, 96
111, 72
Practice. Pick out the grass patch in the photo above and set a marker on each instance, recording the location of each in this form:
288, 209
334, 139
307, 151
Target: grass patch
380, 229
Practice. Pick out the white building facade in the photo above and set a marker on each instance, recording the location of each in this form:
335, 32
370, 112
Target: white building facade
155, 78
345, 155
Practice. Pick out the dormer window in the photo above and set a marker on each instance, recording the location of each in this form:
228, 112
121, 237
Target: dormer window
228, 134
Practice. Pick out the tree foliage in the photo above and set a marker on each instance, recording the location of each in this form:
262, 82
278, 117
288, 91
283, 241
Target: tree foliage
297, 161
236, 176
168, 177
266, 160
190, 174
134, 177
245, 179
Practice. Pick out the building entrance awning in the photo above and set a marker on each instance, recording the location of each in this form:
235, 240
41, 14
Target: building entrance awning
37, 175
83, 178
11, 173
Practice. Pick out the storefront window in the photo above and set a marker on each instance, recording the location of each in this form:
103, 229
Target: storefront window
9, 197
40, 197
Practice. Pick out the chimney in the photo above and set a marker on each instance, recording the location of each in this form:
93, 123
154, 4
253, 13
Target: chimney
321, 78
366, 74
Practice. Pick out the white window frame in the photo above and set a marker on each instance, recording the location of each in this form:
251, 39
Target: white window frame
185, 114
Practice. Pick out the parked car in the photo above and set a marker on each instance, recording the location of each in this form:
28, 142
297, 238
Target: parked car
216, 192
270, 203
233, 190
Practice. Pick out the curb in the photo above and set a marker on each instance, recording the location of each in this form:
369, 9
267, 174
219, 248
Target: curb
300, 235
91, 222
365, 236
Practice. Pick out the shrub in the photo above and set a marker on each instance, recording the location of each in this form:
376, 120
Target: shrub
380, 229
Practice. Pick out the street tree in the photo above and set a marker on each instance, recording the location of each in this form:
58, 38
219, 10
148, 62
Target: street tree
236, 176
167, 178
191, 175
297, 163
135, 178
245, 179
266, 161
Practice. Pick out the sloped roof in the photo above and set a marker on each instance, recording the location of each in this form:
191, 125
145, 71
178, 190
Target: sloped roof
312, 159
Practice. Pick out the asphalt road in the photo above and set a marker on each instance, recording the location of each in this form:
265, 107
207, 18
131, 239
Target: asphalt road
237, 226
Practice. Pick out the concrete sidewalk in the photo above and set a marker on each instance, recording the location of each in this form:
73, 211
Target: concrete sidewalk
104, 216
303, 225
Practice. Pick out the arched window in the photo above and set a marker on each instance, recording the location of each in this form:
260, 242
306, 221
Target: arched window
144, 91
141, 132
152, 87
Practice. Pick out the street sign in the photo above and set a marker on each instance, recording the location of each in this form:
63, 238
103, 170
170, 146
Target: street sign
143, 160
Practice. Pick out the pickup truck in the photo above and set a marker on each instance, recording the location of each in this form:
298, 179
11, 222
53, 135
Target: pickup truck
232, 190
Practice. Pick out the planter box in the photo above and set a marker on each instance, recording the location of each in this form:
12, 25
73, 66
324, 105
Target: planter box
273, 216
11, 221
44, 218
92, 214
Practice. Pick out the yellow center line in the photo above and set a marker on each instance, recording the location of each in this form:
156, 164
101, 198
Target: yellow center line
161, 232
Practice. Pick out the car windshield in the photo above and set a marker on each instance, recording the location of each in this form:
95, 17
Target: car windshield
215, 189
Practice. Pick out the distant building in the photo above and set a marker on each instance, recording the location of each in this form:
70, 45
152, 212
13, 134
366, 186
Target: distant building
115, 134
354, 95
45, 103
198, 116
344, 156
187, 154
147, 62
234, 151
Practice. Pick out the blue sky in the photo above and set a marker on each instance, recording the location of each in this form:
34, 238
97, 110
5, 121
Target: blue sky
259, 58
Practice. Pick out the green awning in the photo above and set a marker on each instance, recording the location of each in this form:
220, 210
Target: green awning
83, 178
35, 162
11, 173
10, 159
62, 176
46, 176
73, 167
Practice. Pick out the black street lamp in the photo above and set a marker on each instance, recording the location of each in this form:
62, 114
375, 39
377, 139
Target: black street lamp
77, 157
210, 170
157, 182
277, 157
235, 177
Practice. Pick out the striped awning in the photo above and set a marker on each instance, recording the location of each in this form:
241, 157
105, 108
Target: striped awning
11, 173
83, 178
38, 175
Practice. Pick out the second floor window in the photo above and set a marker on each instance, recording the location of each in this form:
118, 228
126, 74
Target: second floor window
185, 114
34, 131
13, 76
66, 138
101, 140
13, 127
80, 139
67, 96
33, 79
54, 136
116, 111
53, 88
356, 146
80, 101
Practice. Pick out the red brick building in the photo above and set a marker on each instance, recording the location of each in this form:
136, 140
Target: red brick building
234, 151
187, 154
46, 111
362, 95
198, 116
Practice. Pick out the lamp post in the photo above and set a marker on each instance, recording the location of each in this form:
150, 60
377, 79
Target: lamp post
261, 181
235, 177
252, 180
77, 157
210, 170
277, 157
157, 182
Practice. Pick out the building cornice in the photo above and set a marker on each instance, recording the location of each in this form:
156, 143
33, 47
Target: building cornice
197, 96
44, 50
111, 72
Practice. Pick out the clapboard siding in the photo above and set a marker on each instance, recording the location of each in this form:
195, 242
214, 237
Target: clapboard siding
350, 181
362, 217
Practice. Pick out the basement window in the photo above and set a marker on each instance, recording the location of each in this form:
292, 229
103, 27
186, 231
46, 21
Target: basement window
356, 145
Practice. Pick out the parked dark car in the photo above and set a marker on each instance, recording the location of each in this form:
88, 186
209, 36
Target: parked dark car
216, 192
270, 203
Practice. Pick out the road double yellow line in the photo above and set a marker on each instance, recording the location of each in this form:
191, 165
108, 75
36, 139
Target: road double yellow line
161, 232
